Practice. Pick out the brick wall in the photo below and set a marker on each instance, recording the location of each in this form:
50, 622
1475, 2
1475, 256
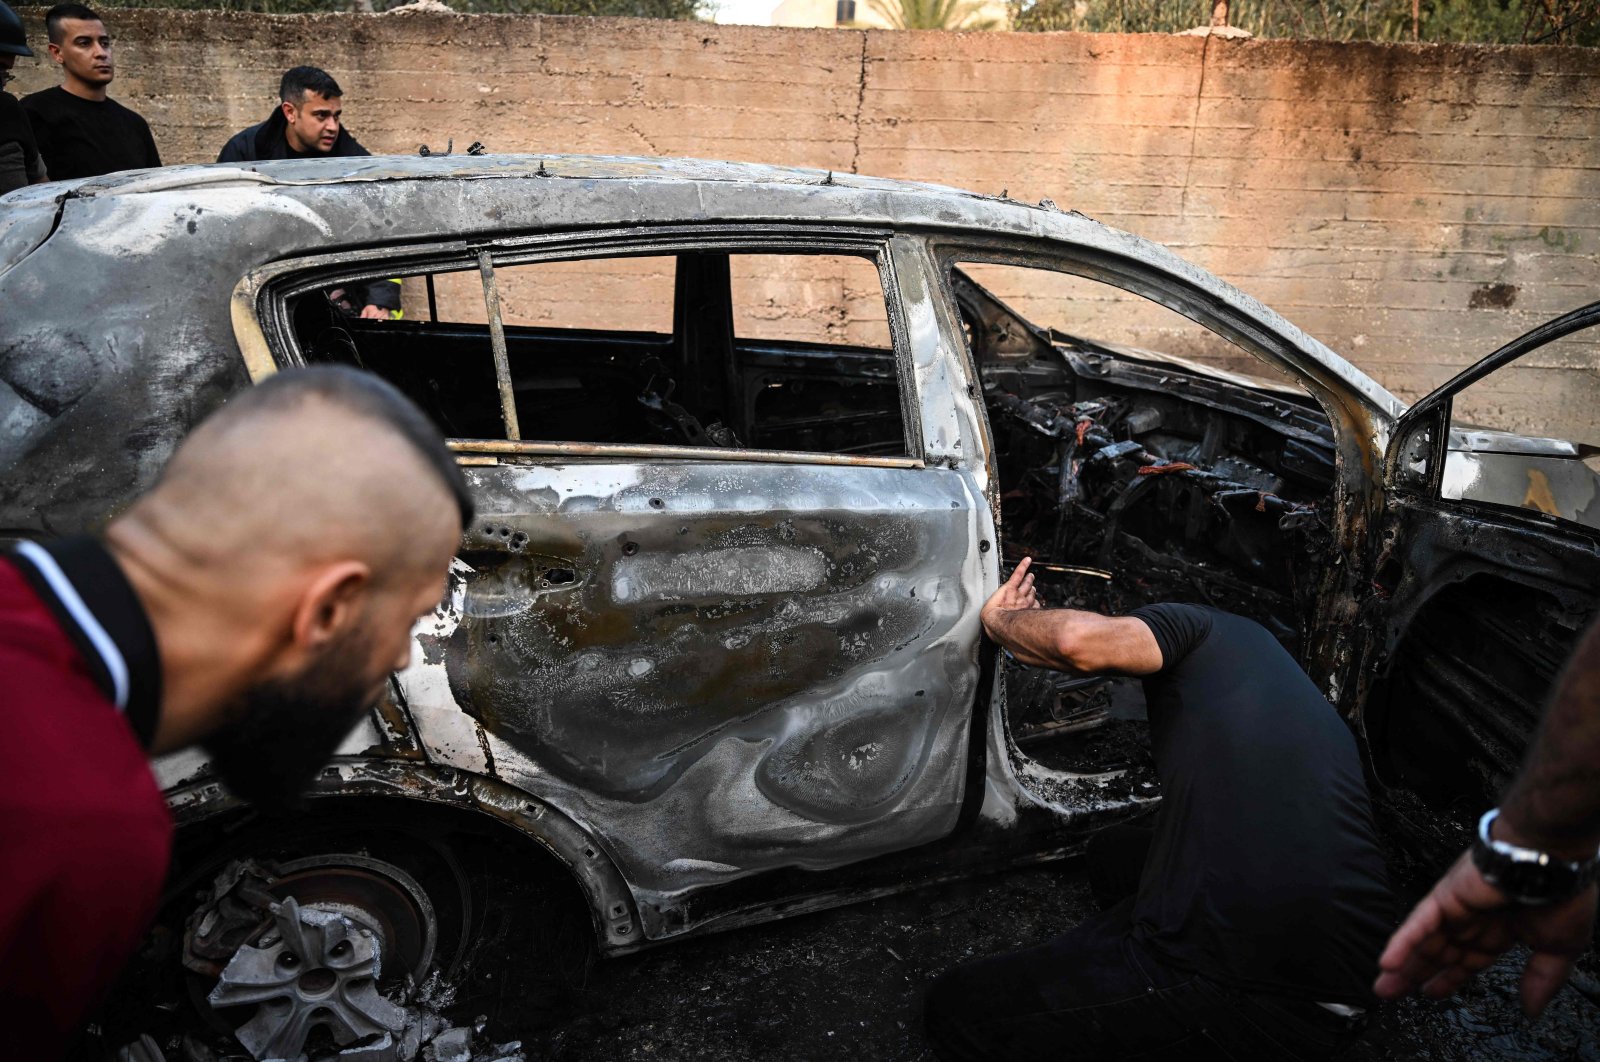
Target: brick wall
1412, 206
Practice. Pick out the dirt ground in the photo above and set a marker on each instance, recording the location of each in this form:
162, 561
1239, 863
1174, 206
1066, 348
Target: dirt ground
847, 983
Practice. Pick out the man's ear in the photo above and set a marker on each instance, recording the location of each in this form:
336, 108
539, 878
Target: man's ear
288, 111
331, 604
55, 53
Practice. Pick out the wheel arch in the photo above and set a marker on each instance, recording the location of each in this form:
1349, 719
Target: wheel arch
612, 911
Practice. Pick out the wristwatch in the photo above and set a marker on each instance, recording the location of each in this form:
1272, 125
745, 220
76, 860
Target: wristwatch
1527, 875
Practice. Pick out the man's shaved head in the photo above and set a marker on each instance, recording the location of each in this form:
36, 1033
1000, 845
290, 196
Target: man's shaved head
284, 555
364, 395
310, 464
312, 393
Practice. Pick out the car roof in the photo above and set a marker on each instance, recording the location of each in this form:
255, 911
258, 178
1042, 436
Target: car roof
600, 189
470, 167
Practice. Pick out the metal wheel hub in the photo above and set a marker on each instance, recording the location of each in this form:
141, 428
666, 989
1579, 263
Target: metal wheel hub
313, 968
317, 954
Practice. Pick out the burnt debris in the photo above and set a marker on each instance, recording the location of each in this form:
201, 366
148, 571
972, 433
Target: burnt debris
1130, 480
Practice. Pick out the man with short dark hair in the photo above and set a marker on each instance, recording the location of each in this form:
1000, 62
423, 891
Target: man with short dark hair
308, 124
1261, 898
81, 132
253, 602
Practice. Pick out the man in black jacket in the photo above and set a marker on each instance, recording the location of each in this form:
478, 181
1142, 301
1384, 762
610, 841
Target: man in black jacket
306, 125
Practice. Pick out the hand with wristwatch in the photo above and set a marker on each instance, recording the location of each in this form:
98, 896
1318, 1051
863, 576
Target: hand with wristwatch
1530, 876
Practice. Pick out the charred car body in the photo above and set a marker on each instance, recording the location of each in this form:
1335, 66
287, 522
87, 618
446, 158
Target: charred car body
712, 643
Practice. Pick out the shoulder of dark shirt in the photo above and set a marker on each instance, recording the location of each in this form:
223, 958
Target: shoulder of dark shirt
1179, 628
241, 145
34, 101
124, 109
57, 99
118, 112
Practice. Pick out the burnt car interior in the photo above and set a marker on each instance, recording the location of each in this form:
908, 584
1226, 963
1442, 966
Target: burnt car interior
704, 382
1127, 478
1131, 480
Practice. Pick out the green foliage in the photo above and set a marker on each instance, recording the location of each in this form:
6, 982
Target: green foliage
1462, 21
931, 14
672, 9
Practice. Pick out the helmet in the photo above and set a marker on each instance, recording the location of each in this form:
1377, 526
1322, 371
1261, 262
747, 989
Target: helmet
13, 40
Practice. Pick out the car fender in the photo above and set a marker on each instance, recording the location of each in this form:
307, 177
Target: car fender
612, 910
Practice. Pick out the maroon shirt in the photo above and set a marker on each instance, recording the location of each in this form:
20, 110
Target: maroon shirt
84, 833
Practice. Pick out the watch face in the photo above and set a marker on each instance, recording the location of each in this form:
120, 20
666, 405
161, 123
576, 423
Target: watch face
1525, 880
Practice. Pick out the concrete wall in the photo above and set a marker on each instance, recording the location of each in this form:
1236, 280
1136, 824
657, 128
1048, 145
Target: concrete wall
981, 14
1412, 206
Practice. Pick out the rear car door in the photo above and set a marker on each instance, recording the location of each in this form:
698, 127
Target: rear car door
1489, 564
719, 604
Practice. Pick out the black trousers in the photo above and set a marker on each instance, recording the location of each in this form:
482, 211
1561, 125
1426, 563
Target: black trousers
1095, 992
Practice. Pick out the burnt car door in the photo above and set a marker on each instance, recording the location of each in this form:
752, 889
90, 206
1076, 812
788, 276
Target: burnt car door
1489, 562
719, 604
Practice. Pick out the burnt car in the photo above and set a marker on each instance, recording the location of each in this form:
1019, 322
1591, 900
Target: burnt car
750, 446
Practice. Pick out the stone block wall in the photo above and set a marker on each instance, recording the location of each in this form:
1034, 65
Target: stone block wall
1412, 206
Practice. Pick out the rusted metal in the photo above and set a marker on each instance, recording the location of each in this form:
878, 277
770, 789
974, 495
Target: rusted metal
392, 723
497, 339
628, 452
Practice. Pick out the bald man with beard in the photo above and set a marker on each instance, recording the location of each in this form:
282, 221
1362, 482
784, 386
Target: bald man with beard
253, 602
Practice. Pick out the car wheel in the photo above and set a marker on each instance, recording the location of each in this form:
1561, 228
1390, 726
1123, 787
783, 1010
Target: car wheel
301, 938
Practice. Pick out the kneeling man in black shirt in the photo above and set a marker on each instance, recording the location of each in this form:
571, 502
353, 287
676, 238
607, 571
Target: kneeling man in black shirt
1262, 903
81, 132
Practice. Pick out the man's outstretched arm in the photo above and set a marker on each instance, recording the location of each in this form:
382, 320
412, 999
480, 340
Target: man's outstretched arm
1466, 923
1066, 639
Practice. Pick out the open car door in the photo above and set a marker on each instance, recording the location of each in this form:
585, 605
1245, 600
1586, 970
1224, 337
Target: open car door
1489, 564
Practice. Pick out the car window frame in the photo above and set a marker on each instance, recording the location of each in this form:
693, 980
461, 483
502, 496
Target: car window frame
1422, 433
261, 321
951, 251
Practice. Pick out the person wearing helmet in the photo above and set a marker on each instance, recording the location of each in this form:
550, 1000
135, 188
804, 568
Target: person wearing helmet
81, 132
20, 163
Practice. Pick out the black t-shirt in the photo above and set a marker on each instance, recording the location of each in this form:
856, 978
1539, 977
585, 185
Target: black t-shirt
1265, 872
86, 138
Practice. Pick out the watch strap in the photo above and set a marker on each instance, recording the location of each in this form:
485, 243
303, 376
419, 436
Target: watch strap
1527, 875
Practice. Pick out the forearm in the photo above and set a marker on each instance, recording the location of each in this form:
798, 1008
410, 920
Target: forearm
1033, 636
1066, 639
1555, 802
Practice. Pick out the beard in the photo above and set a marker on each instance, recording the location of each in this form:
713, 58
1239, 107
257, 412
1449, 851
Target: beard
281, 732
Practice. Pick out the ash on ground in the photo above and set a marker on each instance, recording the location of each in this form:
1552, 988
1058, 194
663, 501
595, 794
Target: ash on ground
848, 983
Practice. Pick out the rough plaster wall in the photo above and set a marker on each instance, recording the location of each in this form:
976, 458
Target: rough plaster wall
1412, 206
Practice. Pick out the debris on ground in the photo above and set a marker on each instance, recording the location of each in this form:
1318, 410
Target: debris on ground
776, 992
850, 981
